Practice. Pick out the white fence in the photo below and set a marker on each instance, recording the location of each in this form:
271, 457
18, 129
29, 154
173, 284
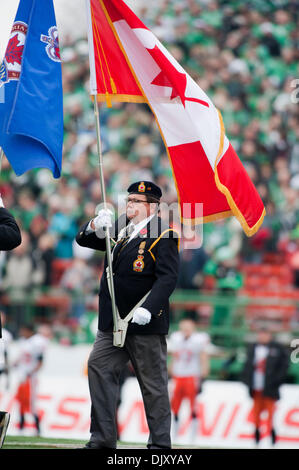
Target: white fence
223, 408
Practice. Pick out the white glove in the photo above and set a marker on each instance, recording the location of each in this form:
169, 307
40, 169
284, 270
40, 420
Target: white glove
141, 316
103, 219
1, 202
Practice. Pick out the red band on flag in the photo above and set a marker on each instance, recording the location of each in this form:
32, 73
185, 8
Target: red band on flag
195, 180
239, 189
113, 73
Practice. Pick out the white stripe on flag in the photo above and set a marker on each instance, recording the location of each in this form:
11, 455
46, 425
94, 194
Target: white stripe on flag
93, 78
179, 124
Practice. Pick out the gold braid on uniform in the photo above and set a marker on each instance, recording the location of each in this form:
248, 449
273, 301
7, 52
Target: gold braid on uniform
159, 238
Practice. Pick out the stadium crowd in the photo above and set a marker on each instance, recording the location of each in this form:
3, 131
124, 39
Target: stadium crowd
245, 55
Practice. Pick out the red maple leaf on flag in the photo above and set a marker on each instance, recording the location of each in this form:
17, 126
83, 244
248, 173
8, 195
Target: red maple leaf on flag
14, 52
171, 77
163, 80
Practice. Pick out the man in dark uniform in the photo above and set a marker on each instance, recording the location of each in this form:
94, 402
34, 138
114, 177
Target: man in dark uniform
146, 260
265, 370
10, 235
10, 238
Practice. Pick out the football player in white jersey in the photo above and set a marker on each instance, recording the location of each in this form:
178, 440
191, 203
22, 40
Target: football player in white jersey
189, 365
31, 355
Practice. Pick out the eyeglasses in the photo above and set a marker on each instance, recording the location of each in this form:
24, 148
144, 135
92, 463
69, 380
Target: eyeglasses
136, 201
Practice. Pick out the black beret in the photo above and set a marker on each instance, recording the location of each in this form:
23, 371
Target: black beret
145, 187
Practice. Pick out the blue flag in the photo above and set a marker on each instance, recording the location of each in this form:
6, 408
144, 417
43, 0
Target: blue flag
31, 108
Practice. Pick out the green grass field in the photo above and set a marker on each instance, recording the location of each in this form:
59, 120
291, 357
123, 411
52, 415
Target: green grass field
22, 442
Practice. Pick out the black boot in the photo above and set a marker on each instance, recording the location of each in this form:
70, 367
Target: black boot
22, 422
257, 436
37, 424
273, 436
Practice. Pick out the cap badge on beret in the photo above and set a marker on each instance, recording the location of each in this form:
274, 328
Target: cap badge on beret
145, 187
141, 187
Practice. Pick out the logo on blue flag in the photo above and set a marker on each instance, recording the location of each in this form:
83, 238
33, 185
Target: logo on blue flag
11, 66
52, 42
31, 113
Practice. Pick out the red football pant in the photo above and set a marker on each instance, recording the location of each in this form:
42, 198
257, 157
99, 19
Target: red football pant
260, 404
185, 387
26, 396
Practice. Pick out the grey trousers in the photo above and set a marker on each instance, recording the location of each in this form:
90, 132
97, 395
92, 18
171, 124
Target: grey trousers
148, 354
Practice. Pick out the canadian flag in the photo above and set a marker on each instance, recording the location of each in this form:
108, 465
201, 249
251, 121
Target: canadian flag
128, 63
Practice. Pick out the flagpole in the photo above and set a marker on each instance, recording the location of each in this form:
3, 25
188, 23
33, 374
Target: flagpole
107, 232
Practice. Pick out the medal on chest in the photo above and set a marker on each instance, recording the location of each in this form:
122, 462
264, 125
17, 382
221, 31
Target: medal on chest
138, 264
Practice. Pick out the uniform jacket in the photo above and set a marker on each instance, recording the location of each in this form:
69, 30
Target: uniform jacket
277, 363
148, 262
10, 236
